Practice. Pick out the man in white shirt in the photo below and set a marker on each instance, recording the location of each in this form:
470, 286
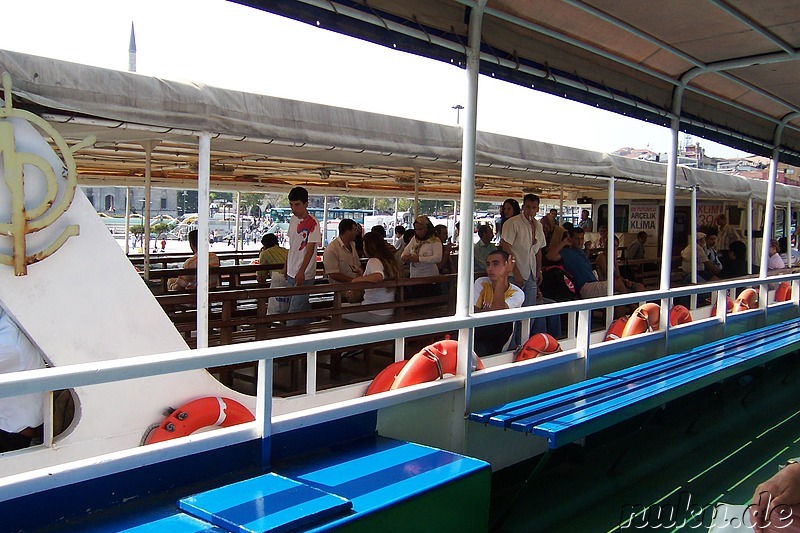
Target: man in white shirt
301, 264
523, 238
340, 259
493, 292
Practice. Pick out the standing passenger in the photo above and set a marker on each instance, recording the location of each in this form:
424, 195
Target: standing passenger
423, 253
301, 263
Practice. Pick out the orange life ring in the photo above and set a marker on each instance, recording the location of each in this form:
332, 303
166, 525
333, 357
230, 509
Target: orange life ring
538, 344
431, 363
615, 329
383, 381
679, 315
784, 292
728, 306
748, 299
645, 318
200, 413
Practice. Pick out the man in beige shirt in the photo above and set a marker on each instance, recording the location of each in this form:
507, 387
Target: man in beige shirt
340, 259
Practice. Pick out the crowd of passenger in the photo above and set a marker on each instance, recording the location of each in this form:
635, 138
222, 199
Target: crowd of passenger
526, 260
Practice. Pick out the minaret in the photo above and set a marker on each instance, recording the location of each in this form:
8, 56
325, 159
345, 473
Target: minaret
132, 51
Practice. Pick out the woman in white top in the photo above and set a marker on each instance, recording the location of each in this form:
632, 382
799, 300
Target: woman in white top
425, 249
381, 266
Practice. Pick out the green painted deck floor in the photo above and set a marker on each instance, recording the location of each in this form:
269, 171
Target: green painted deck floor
731, 448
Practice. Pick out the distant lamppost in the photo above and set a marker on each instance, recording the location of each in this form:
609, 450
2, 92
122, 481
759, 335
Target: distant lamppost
458, 108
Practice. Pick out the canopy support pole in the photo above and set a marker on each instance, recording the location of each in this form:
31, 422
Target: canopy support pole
787, 231
749, 233
237, 235
693, 239
325, 220
560, 217
203, 192
465, 263
127, 220
769, 211
669, 201
416, 193
610, 250
148, 161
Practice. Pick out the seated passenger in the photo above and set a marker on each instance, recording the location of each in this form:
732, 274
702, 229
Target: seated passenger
381, 266
340, 258
736, 266
189, 281
577, 264
706, 269
636, 249
492, 292
557, 283
602, 270
776, 262
271, 253
20, 416
483, 247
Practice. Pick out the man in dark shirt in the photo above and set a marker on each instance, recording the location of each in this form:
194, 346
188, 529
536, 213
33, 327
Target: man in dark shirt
737, 262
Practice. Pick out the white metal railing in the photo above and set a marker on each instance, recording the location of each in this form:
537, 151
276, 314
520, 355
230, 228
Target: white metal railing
86, 374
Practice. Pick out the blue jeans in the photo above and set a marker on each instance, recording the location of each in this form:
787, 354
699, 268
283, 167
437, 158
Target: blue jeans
298, 303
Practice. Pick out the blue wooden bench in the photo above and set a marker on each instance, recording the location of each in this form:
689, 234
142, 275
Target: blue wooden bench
567, 414
373, 484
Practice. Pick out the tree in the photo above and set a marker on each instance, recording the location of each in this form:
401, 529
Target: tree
355, 202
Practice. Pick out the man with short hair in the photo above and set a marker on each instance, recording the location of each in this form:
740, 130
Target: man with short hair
726, 234
578, 266
493, 292
636, 249
711, 250
340, 259
189, 281
549, 223
705, 268
483, 247
399, 231
523, 238
301, 264
736, 267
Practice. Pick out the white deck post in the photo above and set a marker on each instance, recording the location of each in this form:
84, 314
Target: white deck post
669, 201
324, 221
465, 266
787, 232
148, 159
769, 210
127, 220
693, 240
237, 204
203, 191
750, 233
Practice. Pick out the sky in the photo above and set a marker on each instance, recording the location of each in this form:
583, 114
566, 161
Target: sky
231, 46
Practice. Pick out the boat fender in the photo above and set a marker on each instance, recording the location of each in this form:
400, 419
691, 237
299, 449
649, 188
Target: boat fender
615, 329
784, 292
748, 299
197, 414
644, 319
679, 315
728, 306
538, 344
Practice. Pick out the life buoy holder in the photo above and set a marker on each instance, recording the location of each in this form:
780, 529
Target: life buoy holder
204, 412
748, 299
615, 329
679, 314
644, 319
538, 344
784, 292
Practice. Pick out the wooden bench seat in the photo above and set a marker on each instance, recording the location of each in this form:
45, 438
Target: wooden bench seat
569, 413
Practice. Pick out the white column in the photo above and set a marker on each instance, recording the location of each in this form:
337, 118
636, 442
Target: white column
769, 212
237, 205
787, 232
610, 251
203, 191
416, 193
669, 201
693, 233
127, 220
749, 234
465, 264
148, 155
325, 221
560, 218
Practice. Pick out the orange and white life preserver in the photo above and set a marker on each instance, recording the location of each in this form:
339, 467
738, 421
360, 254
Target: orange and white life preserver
728, 306
784, 292
197, 414
538, 344
431, 363
679, 315
748, 299
385, 378
645, 318
615, 329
